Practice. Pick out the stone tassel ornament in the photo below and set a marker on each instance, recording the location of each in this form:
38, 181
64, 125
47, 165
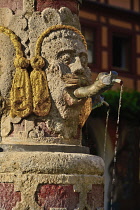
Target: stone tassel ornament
41, 98
21, 96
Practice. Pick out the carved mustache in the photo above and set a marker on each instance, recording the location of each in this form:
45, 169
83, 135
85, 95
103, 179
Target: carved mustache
70, 79
73, 80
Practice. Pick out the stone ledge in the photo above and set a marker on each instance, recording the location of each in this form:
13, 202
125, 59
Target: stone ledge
50, 163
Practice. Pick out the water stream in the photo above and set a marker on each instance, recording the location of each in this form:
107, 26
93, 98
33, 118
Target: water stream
115, 149
105, 138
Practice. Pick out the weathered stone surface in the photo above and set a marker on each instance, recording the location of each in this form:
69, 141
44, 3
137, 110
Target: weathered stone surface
6, 126
31, 177
50, 163
43, 180
8, 197
95, 197
12, 4
28, 6
38, 23
34, 176
18, 24
63, 119
57, 196
28, 185
7, 68
5, 16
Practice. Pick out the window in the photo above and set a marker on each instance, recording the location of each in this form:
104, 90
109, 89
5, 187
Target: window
120, 3
90, 38
121, 52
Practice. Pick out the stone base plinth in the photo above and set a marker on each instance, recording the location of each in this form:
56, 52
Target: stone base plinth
50, 180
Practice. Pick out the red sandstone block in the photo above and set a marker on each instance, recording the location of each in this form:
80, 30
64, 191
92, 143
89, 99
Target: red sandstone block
71, 4
8, 197
12, 4
95, 198
57, 196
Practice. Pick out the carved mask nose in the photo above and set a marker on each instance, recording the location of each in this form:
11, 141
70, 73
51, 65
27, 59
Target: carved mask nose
76, 67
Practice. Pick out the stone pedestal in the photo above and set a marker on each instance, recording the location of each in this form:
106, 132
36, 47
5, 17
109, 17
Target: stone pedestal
50, 180
42, 163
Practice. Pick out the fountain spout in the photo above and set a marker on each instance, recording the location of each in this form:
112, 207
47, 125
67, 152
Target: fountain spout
117, 81
103, 82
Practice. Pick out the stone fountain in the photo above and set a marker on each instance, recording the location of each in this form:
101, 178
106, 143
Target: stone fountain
45, 93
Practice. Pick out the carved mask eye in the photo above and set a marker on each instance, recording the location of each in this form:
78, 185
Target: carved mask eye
65, 58
84, 59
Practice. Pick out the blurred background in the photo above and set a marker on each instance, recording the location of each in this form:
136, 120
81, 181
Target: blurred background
112, 31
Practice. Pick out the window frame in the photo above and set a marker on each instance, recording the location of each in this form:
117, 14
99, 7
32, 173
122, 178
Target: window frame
124, 33
95, 66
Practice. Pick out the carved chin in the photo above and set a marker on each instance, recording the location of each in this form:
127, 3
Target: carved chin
70, 98
62, 85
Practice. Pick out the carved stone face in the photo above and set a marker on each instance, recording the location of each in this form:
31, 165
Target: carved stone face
66, 47
67, 68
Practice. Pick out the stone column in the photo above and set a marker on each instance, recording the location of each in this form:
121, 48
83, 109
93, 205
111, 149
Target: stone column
43, 164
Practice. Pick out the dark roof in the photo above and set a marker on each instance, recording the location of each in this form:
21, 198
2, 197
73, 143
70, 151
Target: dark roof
92, 5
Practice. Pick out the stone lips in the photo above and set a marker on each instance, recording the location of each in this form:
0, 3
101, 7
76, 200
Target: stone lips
50, 163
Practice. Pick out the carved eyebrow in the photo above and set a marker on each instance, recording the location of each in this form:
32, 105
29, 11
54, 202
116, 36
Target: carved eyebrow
65, 51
